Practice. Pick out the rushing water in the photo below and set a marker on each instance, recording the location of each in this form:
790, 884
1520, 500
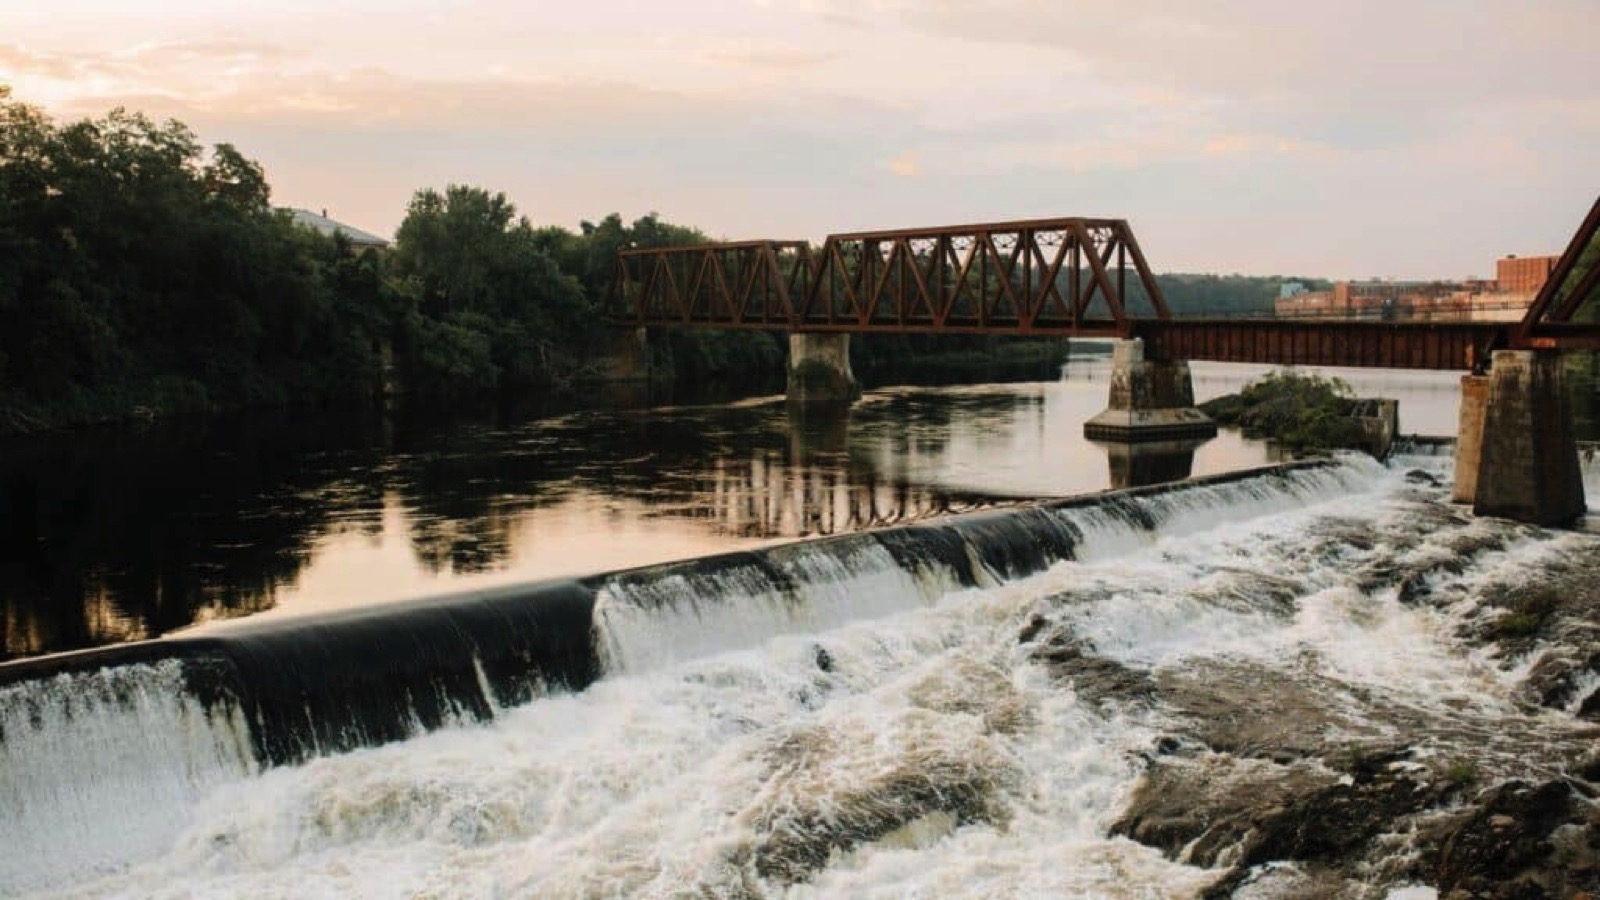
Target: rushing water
940, 705
861, 716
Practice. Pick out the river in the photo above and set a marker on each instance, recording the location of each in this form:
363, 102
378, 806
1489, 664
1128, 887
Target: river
985, 705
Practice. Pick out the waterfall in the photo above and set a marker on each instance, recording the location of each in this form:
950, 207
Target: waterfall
105, 752
104, 765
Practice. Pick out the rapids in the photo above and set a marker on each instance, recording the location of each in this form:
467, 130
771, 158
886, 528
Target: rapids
967, 707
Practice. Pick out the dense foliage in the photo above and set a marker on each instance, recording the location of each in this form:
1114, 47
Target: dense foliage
141, 274
1302, 412
138, 271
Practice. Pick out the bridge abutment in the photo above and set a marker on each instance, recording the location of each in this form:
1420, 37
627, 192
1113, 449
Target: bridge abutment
1151, 400
1516, 452
819, 371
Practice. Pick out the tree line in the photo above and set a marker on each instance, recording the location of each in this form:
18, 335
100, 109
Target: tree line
144, 274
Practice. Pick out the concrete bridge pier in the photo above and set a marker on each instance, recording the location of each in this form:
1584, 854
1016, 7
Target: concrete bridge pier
1151, 400
819, 371
1516, 453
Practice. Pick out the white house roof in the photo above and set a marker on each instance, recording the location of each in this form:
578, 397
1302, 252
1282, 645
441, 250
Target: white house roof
324, 225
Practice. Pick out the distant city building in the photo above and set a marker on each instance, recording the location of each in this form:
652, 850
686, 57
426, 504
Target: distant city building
1290, 289
1517, 281
320, 223
1524, 274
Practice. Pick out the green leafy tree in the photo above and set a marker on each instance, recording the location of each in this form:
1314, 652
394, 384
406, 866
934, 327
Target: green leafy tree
139, 271
491, 292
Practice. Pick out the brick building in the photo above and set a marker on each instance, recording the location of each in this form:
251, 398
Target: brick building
1506, 298
1523, 274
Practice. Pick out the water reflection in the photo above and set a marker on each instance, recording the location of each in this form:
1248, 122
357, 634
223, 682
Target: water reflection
1157, 462
122, 534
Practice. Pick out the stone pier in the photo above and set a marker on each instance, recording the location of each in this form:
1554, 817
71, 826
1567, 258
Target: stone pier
1469, 436
1516, 453
1150, 401
819, 371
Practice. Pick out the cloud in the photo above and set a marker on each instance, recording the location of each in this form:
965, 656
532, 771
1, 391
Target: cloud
1289, 127
16, 60
378, 99
767, 59
1358, 72
144, 63
906, 165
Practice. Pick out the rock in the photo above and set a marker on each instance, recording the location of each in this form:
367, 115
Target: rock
1036, 626
1095, 678
1517, 840
1589, 768
824, 659
1241, 813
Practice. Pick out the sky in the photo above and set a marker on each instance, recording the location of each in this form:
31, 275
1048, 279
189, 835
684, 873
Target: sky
1344, 138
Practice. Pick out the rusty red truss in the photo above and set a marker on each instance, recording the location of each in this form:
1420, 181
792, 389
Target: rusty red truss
1026, 277
1079, 277
742, 284
1044, 276
1553, 319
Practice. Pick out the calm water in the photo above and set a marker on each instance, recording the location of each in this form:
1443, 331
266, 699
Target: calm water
125, 534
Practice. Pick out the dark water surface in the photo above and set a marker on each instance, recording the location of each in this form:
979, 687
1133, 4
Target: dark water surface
123, 534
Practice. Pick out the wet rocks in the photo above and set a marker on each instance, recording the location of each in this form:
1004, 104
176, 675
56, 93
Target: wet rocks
1239, 814
1552, 610
1072, 660
811, 812
1292, 784
807, 837
1221, 706
1292, 775
1517, 840
939, 766
1418, 476
1377, 822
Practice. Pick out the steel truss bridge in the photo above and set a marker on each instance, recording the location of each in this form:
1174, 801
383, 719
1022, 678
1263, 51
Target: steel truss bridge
1068, 277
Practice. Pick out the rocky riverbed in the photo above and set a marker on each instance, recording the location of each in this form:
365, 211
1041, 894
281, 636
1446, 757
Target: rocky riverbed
1289, 782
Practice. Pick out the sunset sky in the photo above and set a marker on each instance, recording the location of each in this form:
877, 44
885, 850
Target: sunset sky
1404, 138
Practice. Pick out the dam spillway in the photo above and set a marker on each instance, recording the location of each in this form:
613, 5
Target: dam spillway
113, 757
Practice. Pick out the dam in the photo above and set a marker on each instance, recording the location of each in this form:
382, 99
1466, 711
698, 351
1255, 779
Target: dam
974, 699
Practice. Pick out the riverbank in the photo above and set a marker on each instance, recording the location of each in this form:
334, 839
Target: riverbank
681, 373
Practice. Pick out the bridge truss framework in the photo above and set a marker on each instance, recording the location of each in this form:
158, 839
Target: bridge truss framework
1069, 277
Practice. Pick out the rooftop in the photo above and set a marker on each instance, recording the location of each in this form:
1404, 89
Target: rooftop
320, 223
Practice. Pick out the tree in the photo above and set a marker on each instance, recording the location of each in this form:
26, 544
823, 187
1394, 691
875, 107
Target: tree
137, 270
491, 292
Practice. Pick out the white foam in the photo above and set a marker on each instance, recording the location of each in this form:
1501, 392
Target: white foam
662, 785
650, 625
743, 709
100, 769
